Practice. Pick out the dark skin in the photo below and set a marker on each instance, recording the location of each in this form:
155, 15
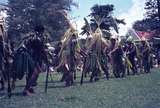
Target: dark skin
1, 59
36, 46
72, 61
67, 65
56, 52
118, 67
104, 63
145, 57
131, 53
6, 70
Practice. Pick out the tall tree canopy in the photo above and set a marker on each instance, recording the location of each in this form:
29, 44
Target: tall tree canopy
152, 17
151, 7
102, 16
25, 15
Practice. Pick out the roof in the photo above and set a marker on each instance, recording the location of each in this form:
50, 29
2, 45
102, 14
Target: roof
156, 41
142, 35
145, 34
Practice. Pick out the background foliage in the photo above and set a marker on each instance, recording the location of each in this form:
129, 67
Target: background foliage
24, 15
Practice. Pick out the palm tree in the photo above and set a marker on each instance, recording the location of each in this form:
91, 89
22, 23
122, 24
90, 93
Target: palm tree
101, 16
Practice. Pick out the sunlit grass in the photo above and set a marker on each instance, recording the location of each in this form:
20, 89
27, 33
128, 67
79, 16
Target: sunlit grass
140, 91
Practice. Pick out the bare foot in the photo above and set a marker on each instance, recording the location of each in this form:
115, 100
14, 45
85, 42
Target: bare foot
27, 93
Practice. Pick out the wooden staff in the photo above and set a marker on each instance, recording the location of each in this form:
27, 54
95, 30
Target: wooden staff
47, 75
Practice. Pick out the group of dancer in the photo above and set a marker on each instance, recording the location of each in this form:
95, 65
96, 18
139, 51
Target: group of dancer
97, 56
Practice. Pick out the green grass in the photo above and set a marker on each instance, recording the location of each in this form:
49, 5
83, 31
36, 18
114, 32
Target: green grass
140, 91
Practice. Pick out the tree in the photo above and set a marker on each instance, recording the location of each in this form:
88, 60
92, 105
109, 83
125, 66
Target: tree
152, 17
147, 25
102, 16
24, 16
151, 8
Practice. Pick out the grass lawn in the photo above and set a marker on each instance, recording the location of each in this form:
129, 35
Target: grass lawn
140, 91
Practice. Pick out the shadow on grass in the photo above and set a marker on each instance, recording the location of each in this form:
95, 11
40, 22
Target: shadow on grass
5, 94
17, 94
62, 84
2, 94
56, 86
